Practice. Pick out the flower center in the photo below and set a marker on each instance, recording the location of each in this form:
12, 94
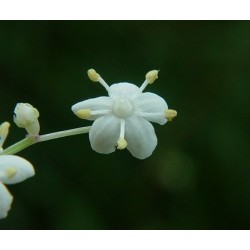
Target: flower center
122, 108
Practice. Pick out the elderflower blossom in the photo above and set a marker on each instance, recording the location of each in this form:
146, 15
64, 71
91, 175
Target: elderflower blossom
122, 119
13, 169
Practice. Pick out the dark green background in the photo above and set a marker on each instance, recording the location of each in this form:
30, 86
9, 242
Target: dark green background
199, 175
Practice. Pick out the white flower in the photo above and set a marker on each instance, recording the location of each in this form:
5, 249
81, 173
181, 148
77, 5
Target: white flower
13, 169
26, 116
123, 118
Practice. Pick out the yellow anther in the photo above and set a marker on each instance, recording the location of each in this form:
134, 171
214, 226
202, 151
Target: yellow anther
10, 172
170, 114
83, 113
151, 76
121, 143
93, 75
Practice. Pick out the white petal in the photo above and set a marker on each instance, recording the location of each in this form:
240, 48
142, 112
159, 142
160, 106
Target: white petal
104, 134
152, 105
94, 104
123, 90
5, 201
140, 136
14, 169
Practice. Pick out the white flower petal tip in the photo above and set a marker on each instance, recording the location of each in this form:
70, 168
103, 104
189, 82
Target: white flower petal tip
5, 201
141, 137
170, 114
26, 116
15, 169
122, 119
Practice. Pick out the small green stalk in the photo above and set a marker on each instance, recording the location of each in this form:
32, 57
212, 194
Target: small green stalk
30, 140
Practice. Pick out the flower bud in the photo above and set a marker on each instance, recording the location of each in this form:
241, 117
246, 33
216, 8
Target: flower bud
26, 116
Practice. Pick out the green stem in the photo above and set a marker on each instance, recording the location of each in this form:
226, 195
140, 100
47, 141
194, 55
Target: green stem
19, 146
30, 140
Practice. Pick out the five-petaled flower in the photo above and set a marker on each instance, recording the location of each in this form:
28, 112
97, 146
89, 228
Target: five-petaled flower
123, 118
13, 169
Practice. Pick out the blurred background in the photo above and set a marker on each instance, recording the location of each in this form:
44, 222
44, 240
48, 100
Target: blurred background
199, 175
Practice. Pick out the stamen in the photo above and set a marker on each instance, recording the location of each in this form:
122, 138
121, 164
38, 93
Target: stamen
122, 143
95, 77
170, 114
83, 113
87, 113
4, 130
101, 112
151, 76
145, 114
10, 172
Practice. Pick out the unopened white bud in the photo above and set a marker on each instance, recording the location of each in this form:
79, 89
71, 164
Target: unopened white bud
26, 116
